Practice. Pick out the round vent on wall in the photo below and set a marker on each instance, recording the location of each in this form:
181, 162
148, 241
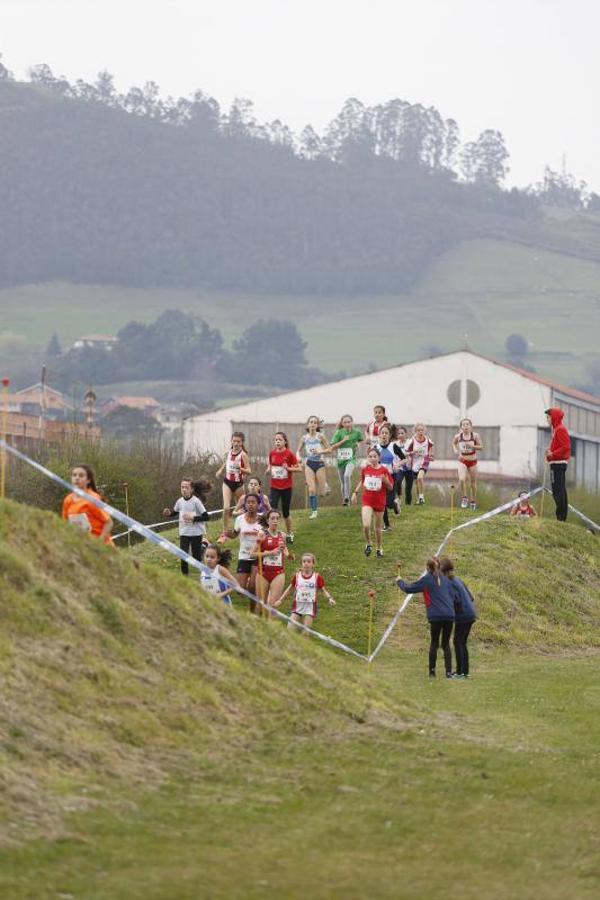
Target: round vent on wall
473, 393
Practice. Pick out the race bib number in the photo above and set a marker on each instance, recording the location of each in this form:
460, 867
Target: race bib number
344, 453
373, 483
275, 559
305, 594
233, 469
279, 472
248, 546
467, 448
80, 520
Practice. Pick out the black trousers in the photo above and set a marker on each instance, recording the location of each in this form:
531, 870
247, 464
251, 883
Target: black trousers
407, 477
191, 544
558, 482
440, 629
461, 634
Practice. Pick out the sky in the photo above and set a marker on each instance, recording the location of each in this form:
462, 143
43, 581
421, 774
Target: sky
529, 68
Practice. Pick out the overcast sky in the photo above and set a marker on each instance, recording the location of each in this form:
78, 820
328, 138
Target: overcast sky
530, 68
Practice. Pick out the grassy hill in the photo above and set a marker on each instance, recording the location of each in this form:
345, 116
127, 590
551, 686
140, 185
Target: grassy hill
153, 744
486, 289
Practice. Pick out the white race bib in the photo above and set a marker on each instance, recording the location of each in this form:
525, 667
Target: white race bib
305, 594
80, 520
275, 559
373, 483
467, 448
232, 468
279, 472
344, 453
248, 546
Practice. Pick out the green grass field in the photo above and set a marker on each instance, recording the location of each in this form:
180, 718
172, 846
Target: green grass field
485, 289
155, 745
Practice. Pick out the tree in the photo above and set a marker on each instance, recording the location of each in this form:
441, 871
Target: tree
484, 160
561, 189
5, 74
274, 352
53, 350
516, 346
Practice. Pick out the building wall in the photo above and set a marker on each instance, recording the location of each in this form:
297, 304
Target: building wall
414, 392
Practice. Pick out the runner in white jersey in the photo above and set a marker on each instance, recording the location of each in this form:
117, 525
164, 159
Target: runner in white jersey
466, 444
419, 449
216, 578
249, 529
306, 585
312, 445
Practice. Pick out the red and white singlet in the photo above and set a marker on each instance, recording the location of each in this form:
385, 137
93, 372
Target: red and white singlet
305, 593
233, 466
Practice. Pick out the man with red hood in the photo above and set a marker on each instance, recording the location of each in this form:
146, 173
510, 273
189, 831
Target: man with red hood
558, 455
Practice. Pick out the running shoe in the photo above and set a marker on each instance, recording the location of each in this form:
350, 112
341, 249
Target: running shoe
473, 505
396, 507
289, 538
314, 514
386, 528
450, 675
421, 501
457, 675
379, 553
346, 502
464, 503
432, 673
368, 550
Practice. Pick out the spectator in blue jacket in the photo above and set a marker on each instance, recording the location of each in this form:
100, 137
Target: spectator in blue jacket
465, 615
439, 605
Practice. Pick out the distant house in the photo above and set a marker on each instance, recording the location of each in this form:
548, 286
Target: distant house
39, 399
95, 341
148, 405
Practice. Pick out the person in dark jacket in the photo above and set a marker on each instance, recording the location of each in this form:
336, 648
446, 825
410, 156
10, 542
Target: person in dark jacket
557, 456
464, 616
439, 605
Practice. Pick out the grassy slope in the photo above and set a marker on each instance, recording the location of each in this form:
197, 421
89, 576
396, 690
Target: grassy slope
484, 288
152, 746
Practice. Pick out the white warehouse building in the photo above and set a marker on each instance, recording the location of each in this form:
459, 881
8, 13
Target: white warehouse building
505, 403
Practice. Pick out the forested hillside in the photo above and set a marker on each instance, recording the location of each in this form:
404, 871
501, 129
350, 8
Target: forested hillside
132, 189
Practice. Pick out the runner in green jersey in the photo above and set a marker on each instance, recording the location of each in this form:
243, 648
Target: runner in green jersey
345, 440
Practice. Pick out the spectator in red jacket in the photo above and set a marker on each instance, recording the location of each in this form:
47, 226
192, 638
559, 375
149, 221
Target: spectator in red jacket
557, 456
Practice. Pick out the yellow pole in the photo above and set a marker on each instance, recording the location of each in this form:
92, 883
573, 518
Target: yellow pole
126, 486
5, 386
371, 604
261, 586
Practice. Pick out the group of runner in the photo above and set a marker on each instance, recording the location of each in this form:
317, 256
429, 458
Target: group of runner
395, 462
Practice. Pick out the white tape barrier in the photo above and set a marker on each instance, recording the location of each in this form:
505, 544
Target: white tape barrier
142, 530
172, 522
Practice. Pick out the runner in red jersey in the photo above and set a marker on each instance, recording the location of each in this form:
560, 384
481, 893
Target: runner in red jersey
306, 585
523, 508
282, 462
273, 551
375, 482
466, 444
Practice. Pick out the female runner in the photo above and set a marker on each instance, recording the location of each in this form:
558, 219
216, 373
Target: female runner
466, 444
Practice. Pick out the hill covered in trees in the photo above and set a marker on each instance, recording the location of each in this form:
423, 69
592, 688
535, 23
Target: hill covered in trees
134, 189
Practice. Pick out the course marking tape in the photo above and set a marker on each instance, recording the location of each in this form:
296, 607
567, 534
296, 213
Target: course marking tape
482, 518
136, 526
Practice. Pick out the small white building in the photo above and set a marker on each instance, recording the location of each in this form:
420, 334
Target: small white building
505, 403
95, 342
